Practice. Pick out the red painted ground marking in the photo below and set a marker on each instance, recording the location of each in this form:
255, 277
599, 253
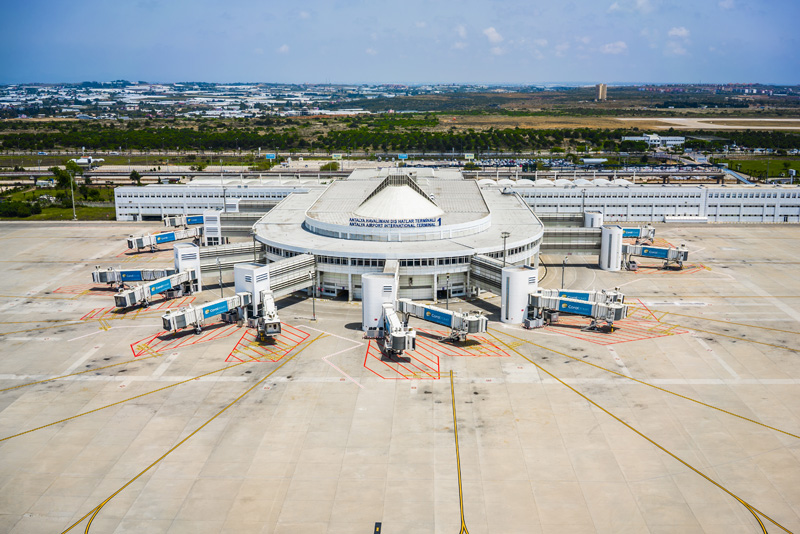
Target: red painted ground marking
155, 310
647, 310
476, 346
164, 341
248, 348
424, 362
408, 366
81, 289
626, 330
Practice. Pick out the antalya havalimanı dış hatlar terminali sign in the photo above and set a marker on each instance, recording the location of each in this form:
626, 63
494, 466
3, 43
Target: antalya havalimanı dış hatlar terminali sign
396, 223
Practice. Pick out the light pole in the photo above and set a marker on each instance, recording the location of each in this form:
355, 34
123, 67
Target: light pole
504, 235
219, 266
72, 190
447, 293
313, 278
563, 268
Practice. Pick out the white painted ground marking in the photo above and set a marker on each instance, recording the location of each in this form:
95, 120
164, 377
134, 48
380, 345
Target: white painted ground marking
716, 356
473, 380
675, 303
165, 365
112, 328
31, 338
325, 359
791, 312
619, 362
80, 361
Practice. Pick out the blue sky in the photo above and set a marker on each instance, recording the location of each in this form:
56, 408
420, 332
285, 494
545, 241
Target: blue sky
406, 41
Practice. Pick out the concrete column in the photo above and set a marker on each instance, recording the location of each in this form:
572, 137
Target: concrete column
350, 287
435, 287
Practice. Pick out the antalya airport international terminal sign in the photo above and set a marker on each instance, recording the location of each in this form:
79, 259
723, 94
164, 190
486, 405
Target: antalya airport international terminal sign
396, 223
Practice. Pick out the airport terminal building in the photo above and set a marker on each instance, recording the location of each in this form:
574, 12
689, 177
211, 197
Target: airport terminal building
438, 232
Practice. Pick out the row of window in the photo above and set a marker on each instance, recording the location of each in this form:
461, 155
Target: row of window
229, 194
753, 195
758, 207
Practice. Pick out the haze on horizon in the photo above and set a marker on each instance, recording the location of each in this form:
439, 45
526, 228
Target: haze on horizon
416, 41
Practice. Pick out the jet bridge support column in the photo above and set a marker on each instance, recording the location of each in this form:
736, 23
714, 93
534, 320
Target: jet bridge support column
376, 290
187, 258
611, 248
517, 283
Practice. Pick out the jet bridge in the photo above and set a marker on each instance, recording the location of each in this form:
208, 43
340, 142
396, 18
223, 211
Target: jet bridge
605, 296
152, 240
460, 323
120, 277
174, 285
183, 220
193, 316
397, 336
670, 255
544, 307
640, 233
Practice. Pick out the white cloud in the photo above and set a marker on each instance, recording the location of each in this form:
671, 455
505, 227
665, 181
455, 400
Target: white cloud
497, 51
561, 49
675, 49
617, 47
726, 4
493, 35
541, 43
460, 45
258, 51
644, 6
304, 15
614, 7
420, 24
371, 51
283, 49
585, 39
679, 31
461, 31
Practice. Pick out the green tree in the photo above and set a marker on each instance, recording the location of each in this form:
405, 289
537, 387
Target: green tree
136, 177
73, 168
62, 177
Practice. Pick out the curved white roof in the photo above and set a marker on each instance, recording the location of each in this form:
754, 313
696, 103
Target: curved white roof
601, 182
523, 182
542, 182
486, 181
582, 181
561, 182
621, 181
398, 202
505, 181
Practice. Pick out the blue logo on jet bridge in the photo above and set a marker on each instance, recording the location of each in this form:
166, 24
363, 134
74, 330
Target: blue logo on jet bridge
581, 308
630, 232
661, 253
160, 286
215, 309
163, 238
438, 317
577, 295
131, 276
194, 219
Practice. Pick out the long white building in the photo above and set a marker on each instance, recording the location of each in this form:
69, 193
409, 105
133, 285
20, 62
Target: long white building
618, 200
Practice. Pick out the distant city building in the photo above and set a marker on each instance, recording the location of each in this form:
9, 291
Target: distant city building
601, 91
655, 140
